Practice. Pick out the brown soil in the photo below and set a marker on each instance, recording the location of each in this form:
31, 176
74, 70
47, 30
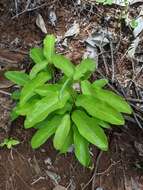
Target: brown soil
25, 169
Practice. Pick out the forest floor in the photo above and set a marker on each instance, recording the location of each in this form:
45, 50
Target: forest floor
100, 32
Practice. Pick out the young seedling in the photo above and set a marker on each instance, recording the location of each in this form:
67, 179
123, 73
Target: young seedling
72, 110
9, 143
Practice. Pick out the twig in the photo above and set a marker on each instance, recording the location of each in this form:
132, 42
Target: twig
92, 179
16, 7
5, 93
137, 120
111, 165
112, 60
104, 60
29, 10
96, 169
134, 100
37, 180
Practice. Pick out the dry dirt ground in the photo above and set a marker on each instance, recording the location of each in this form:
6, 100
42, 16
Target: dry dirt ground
22, 168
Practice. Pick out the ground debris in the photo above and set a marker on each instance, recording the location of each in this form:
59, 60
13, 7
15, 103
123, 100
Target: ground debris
41, 24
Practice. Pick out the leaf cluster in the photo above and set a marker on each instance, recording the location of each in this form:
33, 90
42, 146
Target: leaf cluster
71, 110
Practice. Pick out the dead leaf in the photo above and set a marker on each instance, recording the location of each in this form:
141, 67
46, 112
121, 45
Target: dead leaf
99, 38
91, 52
133, 47
41, 24
138, 29
53, 176
52, 17
59, 187
73, 30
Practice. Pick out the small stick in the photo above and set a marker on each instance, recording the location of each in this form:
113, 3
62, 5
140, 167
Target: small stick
112, 60
28, 10
95, 172
5, 93
96, 169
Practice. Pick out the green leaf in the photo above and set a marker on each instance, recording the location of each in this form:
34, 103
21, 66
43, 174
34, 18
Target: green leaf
117, 102
100, 109
103, 124
64, 64
68, 142
16, 95
49, 47
65, 86
44, 107
37, 68
48, 89
13, 114
89, 129
84, 68
9, 143
37, 55
99, 83
42, 135
134, 23
28, 90
81, 149
112, 99
66, 108
62, 132
27, 108
17, 77
86, 87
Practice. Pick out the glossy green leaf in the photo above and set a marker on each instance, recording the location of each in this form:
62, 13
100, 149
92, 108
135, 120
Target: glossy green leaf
117, 102
28, 90
37, 68
89, 129
112, 99
64, 64
68, 142
100, 109
44, 107
43, 133
17, 77
48, 89
101, 123
99, 83
86, 87
37, 55
66, 108
81, 146
84, 68
42, 123
62, 132
27, 108
65, 86
49, 47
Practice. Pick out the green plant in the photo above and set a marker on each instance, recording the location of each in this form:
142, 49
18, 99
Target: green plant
9, 143
105, 2
133, 23
70, 108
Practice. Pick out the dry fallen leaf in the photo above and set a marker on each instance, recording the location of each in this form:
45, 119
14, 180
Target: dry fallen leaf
73, 30
53, 176
139, 28
59, 187
52, 17
41, 24
133, 47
